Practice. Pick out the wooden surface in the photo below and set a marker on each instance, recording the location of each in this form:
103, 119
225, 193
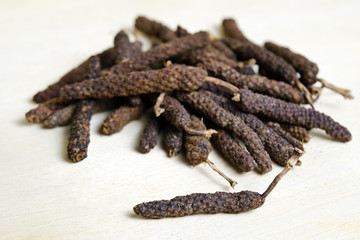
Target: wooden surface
44, 196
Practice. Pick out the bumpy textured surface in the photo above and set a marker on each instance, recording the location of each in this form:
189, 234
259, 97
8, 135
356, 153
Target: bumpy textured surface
150, 135
232, 151
232, 30
174, 77
255, 83
175, 113
77, 74
275, 66
197, 148
80, 131
201, 103
45, 109
221, 47
116, 120
173, 140
300, 133
181, 32
285, 112
161, 52
307, 69
277, 147
155, 29
122, 46
61, 117
201, 203
287, 136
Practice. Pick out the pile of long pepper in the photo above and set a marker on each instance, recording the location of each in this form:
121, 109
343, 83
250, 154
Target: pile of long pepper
201, 91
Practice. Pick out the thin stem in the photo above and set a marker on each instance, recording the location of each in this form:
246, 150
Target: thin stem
157, 109
213, 166
219, 82
290, 164
342, 91
206, 133
306, 93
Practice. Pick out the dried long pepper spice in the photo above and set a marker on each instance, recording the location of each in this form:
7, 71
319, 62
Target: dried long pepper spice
116, 120
150, 135
201, 203
211, 203
122, 46
61, 117
162, 52
232, 30
232, 151
176, 114
274, 66
80, 126
173, 140
285, 112
80, 131
255, 83
211, 110
300, 133
45, 109
277, 147
154, 28
174, 77
198, 149
77, 74
287, 136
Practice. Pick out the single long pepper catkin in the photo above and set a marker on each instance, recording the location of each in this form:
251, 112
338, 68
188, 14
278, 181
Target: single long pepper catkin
174, 77
307, 69
80, 127
285, 112
60, 117
211, 110
173, 140
45, 109
150, 135
122, 46
232, 151
277, 147
221, 47
201, 203
255, 83
107, 59
232, 30
154, 28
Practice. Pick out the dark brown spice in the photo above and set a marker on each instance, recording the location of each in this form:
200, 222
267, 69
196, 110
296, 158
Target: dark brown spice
80, 131
150, 135
278, 148
307, 69
284, 134
232, 151
60, 117
232, 30
116, 120
300, 133
173, 140
45, 109
254, 82
174, 77
77, 74
154, 28
210, 109
122, 46
285, 112
201, 203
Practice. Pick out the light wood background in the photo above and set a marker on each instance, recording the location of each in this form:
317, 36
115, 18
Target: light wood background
44, 196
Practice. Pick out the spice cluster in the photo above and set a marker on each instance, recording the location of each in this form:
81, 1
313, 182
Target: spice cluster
198, 91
